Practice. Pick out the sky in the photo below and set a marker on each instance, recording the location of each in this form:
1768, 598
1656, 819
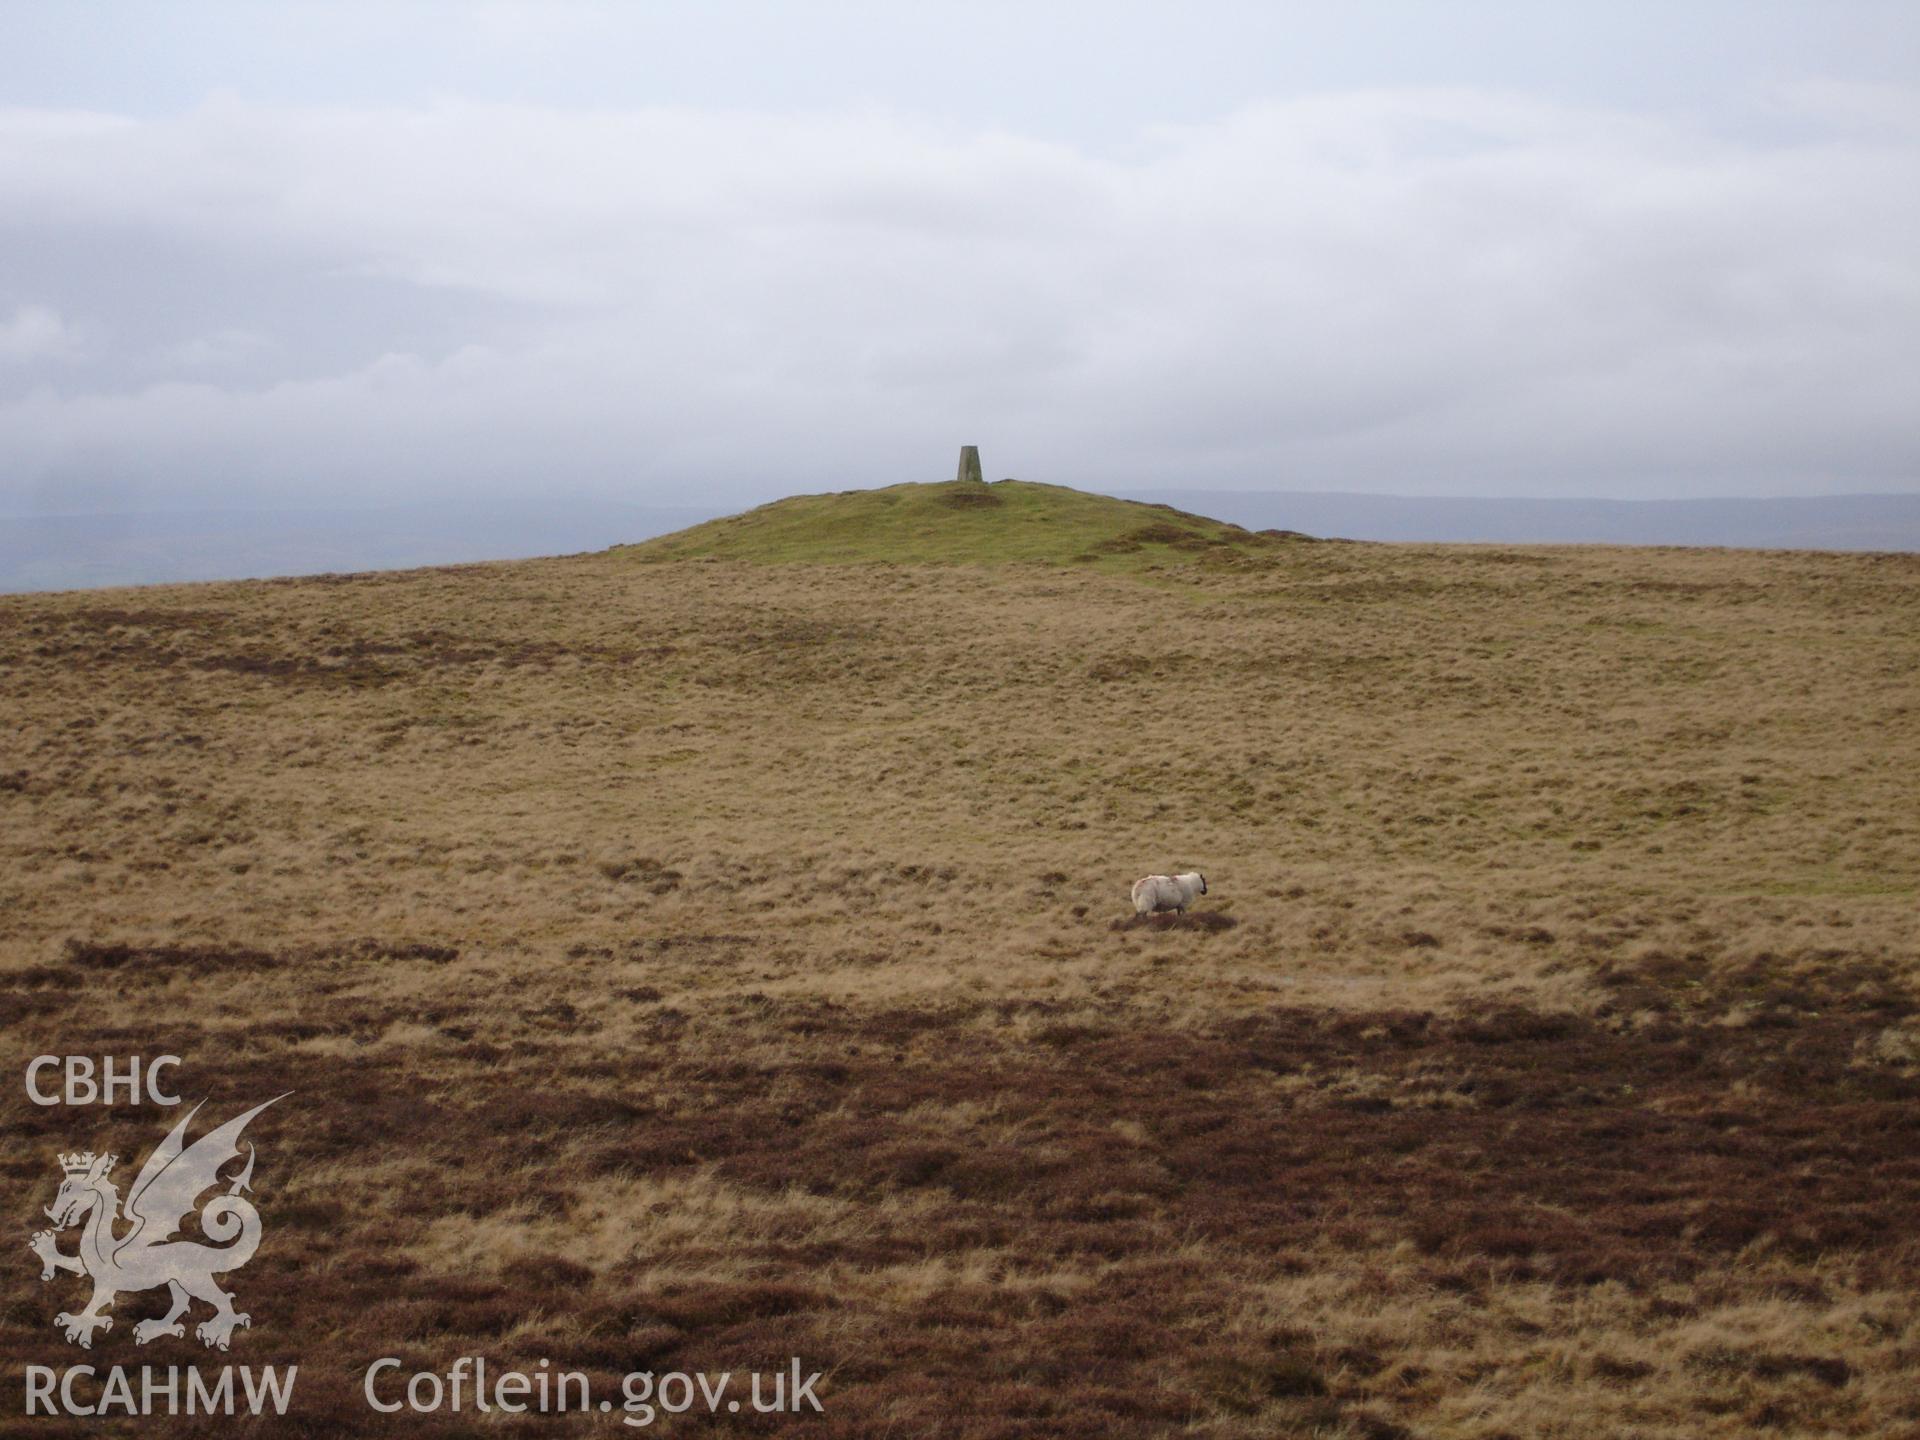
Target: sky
322, 255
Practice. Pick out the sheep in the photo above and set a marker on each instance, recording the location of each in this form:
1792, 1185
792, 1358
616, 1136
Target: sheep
1167, 892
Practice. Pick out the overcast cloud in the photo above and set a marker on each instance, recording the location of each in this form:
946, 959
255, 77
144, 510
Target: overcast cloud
282, 278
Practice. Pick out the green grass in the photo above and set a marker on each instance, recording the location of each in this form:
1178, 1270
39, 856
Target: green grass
963, 523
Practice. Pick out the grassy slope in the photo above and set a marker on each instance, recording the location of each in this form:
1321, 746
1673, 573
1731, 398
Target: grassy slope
961, 522
681, 967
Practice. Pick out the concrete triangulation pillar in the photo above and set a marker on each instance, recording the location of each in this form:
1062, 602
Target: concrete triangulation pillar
969, 463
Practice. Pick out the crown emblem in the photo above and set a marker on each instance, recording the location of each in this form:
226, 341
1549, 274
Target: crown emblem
80, 1164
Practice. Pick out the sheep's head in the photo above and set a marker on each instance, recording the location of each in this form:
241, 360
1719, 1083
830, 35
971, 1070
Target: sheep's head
1203, 883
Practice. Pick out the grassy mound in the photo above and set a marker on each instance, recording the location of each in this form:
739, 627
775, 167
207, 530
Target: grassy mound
964, 522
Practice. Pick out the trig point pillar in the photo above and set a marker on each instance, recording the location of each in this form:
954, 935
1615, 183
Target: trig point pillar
969, 463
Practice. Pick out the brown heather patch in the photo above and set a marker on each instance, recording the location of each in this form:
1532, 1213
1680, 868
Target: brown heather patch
150, 961
166, 958
1206, 922
687, 966
107, 617
1061, 1197
969, 498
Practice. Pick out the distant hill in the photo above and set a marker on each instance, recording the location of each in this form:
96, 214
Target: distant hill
76, 552
962, 521
1010, 520
1831, 522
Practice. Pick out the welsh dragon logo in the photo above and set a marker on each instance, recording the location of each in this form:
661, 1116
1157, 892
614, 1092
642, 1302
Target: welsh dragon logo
145, 1256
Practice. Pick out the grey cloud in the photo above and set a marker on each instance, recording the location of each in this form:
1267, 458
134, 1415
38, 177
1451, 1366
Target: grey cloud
1418, 290
36, 333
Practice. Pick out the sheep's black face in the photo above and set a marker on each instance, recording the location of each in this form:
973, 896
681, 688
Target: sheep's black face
1203, 884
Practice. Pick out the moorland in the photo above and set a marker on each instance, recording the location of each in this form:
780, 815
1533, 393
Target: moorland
716, 950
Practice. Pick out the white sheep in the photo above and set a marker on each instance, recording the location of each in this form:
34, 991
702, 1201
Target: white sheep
1167, 892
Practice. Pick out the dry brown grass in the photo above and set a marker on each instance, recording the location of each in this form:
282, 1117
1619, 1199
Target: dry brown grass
685, 966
